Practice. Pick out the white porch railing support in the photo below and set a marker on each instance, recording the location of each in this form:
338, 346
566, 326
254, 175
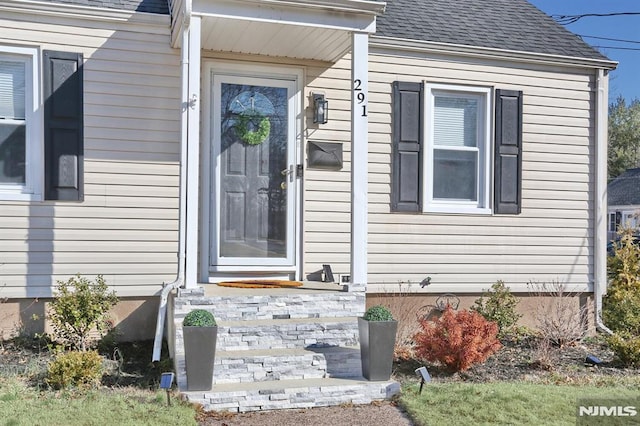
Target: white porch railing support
359, 157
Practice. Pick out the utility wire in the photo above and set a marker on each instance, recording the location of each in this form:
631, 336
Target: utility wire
570, 19
619, 48
609, 39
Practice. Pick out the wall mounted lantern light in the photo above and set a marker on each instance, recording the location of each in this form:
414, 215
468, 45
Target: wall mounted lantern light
320, 109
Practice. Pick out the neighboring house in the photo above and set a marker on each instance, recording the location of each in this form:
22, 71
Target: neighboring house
623, 198
179, 143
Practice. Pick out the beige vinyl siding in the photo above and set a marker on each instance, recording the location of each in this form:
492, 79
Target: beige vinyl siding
127, 226
327, 193
552, 240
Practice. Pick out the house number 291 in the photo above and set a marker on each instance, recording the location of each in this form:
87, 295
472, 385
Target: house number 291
360, 96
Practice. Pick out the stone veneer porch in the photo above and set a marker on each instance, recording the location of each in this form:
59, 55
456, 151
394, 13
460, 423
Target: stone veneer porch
281, 348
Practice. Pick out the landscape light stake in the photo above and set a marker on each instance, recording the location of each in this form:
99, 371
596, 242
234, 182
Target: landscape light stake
592, 360
166, 380
424, 376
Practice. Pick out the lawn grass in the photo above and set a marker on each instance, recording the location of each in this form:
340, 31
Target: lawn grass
21, 404
130, 397
503, 403
498, 403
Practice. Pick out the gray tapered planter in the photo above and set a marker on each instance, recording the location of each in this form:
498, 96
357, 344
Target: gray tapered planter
377, 340
199, 353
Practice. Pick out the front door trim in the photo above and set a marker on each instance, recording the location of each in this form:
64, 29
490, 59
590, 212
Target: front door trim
209, 151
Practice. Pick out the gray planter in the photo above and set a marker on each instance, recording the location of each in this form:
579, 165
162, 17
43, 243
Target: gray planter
199, 353
377, 339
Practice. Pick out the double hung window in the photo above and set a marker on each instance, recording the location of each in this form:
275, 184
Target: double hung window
457, 160
19, 133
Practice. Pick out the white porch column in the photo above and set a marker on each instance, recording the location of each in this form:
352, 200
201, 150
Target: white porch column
193, 154
359, 157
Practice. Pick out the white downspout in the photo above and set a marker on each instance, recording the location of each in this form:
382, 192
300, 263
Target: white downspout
179, 281
600, 225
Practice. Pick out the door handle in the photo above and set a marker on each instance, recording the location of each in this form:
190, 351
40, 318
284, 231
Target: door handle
288, 172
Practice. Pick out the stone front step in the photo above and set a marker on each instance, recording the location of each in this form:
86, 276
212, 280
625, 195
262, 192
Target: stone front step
239, 304
286, 364
280, 348
287, 394
287, 333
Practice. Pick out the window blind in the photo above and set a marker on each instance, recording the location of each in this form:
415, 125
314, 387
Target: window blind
12, 90
455, 121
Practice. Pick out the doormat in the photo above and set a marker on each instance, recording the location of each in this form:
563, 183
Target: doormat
260, 284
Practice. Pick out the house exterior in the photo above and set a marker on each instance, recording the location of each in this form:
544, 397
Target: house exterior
623, 197
176, 145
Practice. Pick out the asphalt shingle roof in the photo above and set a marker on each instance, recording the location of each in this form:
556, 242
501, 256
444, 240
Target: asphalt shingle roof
501, 24
625, 189
149, 6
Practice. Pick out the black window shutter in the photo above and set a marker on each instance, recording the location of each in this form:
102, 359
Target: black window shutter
406, 185
508, 152
63, 125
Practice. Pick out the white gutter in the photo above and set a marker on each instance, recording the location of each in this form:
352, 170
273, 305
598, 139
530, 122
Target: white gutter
76, 11
382, 45
335, 6
179, 281
600, 225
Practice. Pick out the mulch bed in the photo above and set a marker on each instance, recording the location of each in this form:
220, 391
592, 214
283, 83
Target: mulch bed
127, 363
518, 360
528, 360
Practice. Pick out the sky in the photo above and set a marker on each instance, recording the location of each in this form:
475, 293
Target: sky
625, 80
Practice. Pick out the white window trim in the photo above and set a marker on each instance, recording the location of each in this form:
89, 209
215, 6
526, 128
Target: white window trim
34, 177
482, 206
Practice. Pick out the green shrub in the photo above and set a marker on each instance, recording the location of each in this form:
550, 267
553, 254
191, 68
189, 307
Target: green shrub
75, 369
457, 339
378, 313
199, 318
621, 311
621, 305
498, 305
80, 308
623, 267
626, 348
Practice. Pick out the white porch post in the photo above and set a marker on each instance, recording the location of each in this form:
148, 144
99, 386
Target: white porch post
193, 153
359, 157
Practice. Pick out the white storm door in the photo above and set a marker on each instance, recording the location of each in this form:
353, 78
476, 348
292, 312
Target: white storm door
254, 178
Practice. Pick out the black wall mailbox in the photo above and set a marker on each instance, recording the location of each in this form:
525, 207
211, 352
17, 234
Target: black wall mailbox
326, 155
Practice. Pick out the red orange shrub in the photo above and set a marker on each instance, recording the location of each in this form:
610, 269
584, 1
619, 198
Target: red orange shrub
457, 339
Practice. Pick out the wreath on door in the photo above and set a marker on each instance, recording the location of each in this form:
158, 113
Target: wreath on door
252, 128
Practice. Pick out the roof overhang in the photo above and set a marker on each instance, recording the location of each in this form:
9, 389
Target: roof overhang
390, 44
305, 29
73, 11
